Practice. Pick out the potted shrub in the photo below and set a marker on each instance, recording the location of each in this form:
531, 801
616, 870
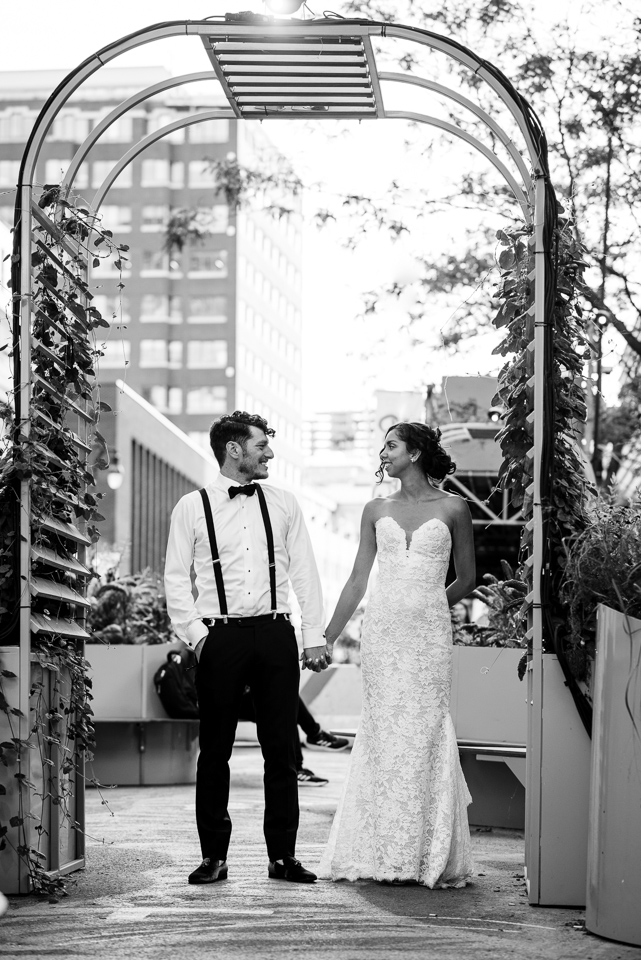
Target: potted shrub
132, 634
603, 592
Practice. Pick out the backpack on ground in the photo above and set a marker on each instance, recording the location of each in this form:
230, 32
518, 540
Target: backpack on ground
175, 684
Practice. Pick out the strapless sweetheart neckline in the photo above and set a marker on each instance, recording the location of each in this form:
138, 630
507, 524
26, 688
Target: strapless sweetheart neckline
412, 533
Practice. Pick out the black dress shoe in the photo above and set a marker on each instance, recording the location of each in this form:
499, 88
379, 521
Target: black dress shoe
290, 869
209, 871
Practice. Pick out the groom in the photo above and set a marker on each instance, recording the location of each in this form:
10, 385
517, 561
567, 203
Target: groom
242, 543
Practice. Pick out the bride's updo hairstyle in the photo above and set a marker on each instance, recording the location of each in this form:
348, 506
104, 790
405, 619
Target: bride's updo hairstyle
435, 463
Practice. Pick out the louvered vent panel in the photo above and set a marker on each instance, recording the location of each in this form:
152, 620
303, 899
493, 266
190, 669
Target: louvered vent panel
58, 572
298, 76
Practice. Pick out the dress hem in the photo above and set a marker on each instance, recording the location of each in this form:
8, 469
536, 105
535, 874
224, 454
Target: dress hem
401, 881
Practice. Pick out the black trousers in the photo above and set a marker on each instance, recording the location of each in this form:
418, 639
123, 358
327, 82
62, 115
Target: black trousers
265, 658
305, 721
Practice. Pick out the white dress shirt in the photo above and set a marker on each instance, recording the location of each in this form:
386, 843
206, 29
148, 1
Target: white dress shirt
242, 547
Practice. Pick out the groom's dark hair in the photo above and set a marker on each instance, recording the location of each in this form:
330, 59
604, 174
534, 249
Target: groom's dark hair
235, 427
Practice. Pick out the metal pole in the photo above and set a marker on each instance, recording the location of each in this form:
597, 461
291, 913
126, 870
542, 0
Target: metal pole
23, 387
535, 683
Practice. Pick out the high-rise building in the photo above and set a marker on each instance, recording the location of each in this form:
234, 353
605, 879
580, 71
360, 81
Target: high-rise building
6, 249
200, 331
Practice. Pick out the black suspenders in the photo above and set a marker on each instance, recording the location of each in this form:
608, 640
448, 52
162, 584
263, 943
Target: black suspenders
218, 574
270, 546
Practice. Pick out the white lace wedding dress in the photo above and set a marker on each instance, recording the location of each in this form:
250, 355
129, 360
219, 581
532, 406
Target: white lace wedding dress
403, 812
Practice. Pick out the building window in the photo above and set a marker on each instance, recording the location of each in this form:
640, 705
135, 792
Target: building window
116, 219
107, 268
160, 308
161, 353
154, 262
207, 354
214, 219
154, 173
117, 354
200, 174
102, 168
210, 262
155, 218
177, 174
207, 309
210, 131
70, 125
165, 399
56, 171
207, 400
15, 125
162, 118
161, 173
113, 309
120, 131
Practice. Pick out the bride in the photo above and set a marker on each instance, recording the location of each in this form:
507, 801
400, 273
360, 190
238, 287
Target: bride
403, 813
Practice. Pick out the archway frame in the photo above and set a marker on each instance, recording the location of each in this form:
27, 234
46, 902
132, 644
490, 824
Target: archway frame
527, 180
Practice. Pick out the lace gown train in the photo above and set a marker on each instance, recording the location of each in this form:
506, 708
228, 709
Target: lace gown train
403, 811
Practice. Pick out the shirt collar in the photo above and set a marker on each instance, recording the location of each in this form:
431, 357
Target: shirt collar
224, 483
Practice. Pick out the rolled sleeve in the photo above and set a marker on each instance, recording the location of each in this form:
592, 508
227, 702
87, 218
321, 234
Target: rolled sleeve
304, 577
178, 564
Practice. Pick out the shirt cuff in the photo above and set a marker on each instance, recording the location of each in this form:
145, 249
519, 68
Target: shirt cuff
313, 637
195, 632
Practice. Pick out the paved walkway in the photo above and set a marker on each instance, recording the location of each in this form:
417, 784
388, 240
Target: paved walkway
133, 900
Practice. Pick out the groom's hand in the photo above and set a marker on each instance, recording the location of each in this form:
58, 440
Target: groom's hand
316, 658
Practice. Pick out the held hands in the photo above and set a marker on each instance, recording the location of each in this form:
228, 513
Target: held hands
317, 658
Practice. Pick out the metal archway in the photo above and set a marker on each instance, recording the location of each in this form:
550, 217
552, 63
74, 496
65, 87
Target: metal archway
324, 68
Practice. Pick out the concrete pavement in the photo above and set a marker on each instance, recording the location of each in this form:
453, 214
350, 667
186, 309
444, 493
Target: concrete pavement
133, 901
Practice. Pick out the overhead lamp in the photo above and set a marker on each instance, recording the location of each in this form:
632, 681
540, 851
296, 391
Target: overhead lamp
284, 6
115, 474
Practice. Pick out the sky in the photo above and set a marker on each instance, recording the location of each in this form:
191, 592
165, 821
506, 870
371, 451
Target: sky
41, 35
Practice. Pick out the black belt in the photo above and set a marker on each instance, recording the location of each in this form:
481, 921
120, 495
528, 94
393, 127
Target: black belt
245, 621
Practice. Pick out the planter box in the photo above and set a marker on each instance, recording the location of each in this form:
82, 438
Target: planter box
136, 742
488, 699
61, 846
614, 849
489, 705
558, 777
123, 680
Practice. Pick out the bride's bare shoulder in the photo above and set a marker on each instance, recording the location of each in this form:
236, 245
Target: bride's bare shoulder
375, 508
455, 504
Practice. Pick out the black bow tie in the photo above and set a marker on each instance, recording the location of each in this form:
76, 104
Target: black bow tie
249, 490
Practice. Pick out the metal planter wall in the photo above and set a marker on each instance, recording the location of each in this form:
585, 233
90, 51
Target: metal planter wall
614, 849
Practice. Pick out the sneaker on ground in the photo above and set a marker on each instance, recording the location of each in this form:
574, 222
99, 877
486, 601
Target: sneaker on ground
327, 741
308, 779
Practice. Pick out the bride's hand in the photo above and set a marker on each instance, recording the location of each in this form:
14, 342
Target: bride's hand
315, 659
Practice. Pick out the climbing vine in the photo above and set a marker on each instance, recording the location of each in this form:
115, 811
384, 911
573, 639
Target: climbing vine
40, 773
567, 346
